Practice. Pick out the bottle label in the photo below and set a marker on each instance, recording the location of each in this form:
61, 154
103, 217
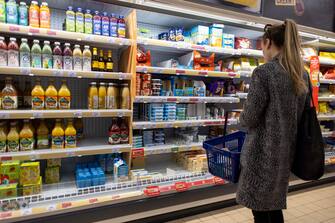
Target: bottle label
11, 13
57, 62
68, 63
51, 102
45, 19
47, 61
27, 101
77, 63
37, 102
3, 12
34, 17
79, 23
101, 66
87, 64
26, 144
57, 142
102, 102
3, 57
125, 103
95, 102
13, 58
113, 29
109, 65
36, 60
110, 102
114, 137
64, 102
95, 64
105, 27
23, 16
24, 59
70, 141
97, 27
88, 25
13, 145
124, 137
42, 142
9, 102
121, 30
2, 146
70, 22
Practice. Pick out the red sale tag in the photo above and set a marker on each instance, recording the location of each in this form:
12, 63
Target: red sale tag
31, 30
93, 200
152, 191
5, 158
218, 180
180, 71
51, 33
14, 28
6, 214
181, 186
137, 152
66, 204
203, 73
171, 99
231, 74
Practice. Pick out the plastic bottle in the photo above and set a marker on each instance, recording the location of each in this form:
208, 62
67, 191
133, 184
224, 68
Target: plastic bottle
23, 14
34, 14
70, 135
47, 55
113, 25
13, 53
37, 96
121, 27
12, 12
88, 22
3, 138
79, 21
13, 138
70, 21
42, 136
64, 96
27, 95
36, 54
109, 62
3, 52
57, 136
26, 137
57, 56
9, 96
87, 58
95, 60
105, 24
24, 53
96, 23
2, 11
51, 96
93, 97
45, 16
124, 132
102, 95
77, 58
67, 57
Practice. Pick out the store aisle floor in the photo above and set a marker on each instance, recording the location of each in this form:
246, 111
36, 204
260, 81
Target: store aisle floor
314, 205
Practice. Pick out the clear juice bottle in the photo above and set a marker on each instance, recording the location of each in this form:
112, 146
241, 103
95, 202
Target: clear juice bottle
13, 138
23, 14
11, 12
42, 136
13, 53
77, 58
51, 96
112, 94
45, 15
34, 14
57, 136
125, 96
87, 59
70, 21
93, 97
37, 96
36, 54
88, 22
47, 55
64, 96
67, 57
24, 53
102, 95
26, 137
3, 138
57, 56
79, 21
3, 51
9, 96
70, 135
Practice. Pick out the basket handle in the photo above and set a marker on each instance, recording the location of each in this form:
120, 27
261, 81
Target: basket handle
225, 123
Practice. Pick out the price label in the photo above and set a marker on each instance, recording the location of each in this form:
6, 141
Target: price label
96, 114
93, 200
34, 156
137, 152
181, 186
169, 125
57, 73
51, 207
218, 180
89, 37
25, 70
171, 99
14, 28
78, 114
198, 47
4, 116
66, 204
231, 74
122, 76
32, 30
120, 114
157, 70
51, 32
37, 115
175, 149
203, 73
152, 191
194, 100
71, 154
7, 214
26, 211
5, 158
180, 71
160, 125
72, 74
99, 75
112, 40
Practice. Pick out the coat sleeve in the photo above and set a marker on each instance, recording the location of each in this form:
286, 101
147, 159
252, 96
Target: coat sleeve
257, 101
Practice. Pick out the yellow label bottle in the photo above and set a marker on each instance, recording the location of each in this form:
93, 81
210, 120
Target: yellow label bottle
3, 138
93, 97
70, 135
26, 137
42, 136
51, 96
102, 95
13, 138
64, 97
37, 96
57, 140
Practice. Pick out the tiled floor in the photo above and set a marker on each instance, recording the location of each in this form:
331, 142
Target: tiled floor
315, 205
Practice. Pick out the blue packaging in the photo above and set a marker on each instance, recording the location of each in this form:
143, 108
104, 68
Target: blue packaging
179, 35
96, 23
105, 24
113, 25
200, 35
172, 34
23, 14
12, 12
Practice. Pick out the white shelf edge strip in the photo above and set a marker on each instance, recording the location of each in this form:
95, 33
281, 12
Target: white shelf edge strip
144, 99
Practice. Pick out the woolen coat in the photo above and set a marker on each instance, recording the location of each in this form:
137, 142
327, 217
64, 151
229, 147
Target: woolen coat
270, 115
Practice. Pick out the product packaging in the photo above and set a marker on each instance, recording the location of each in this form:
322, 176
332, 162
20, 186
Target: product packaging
10, 172
52, 175
228, 41
30, 189
200, 35
8, 191
215, 35
29, 173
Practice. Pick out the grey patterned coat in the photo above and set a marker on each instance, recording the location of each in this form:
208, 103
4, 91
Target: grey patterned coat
270, 114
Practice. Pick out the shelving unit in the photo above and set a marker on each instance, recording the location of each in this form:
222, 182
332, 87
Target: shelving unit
162, 99
326, 98
171, 148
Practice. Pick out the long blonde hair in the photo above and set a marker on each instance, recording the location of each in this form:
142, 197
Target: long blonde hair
287, 38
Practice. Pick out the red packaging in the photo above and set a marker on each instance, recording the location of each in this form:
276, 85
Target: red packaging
242, 43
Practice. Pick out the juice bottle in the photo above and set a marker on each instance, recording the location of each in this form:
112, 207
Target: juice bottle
26, 137
114, 133
96, 23
79, 21
9, 96
67, 57
23, 14
101, 61
102, 95
24, 53
125, 97
70, 21
12, 12
57, 136
13, 138
2, 11
95, 60
37, 96
88, 22
124, 136
93, 97
113, 25
121, 27
3, 52
42, 136
70, 135
27, 95
79, 126
13, 53
34, 14
77, 58
47, 55
44, 16
64, 96
3, 138
87, 58
36, 54
105, 24
51, 96
111, 96
57, 56
109, 62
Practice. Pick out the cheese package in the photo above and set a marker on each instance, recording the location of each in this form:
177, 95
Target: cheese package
31, 189
10, 172
29, 173
8, 190
52, 175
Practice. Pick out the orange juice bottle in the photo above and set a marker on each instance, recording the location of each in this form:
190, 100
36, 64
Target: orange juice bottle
51, 96
57, 136
93, 97
70, 135
34, 14
44, 16
64, 96
3, 137
37, 96
102, 95
42, 136
26, 137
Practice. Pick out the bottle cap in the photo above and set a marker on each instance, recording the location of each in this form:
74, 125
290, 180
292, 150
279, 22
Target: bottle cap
88, 11
46, 42
105, 13
24, 40
57, 43
2, 38
93, 83
67, 44
102, 83
86, 47
44, 4
77, 46
36, 41
79, 9
23, 3
69, 8
96, 12
12, 39
34, 2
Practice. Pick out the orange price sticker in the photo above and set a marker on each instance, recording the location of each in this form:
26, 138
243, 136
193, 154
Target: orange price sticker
181, 186
93, 200
152, 191
51, 33
32, 30
6, 158
137, 152
66, 204
218, 180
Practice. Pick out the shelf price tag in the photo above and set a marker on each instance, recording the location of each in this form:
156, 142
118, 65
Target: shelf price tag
93, 200
137, 152
25, 70
171, 99
5, 158
203, 73
57, 73
34, 156
96, 114
6, 214
181, 186
78, 114
180, 71
71, 154
72, 74
32, 30
14, 28
89, 37
175, 149
66, 204
231, 74
26, 211
152, 191
51, 32
4, 116
218, 180
37, 114
51, 207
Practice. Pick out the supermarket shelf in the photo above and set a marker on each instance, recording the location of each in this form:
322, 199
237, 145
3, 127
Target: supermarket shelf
184, 46
63, 35
171, 148
326, 98
154, 99
327, 81
327, 61
85, 148
184, 123
187, 72
327, 134
71, 113
326, 117
330, 158
63, 73
242, 95
245, 73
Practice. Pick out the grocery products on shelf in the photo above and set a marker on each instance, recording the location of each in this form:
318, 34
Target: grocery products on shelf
118, 132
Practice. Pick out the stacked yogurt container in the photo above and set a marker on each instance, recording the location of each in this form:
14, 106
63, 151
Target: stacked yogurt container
159, 137
156, 112
170, 111
181, 112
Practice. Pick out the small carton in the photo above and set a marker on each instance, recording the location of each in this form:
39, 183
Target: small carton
228, 40
29, 173
215, 36
10, 172
120, 170
200, 35
30, 189
54, 162
8, 190
52, 175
